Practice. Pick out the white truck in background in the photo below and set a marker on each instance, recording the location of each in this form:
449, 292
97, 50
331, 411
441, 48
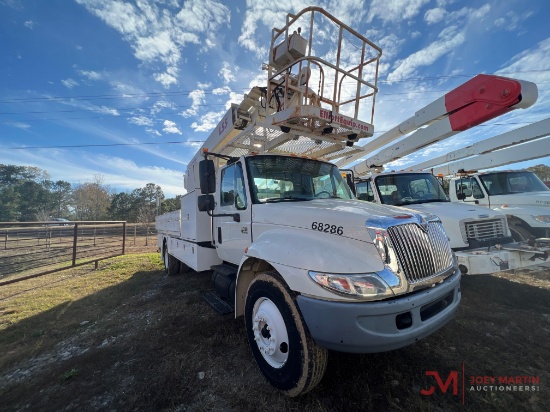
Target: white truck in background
309, 267
479, 236
519, 194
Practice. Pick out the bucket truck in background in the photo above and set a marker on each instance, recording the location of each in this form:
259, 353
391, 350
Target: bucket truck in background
479, 236
308, 267
519, 194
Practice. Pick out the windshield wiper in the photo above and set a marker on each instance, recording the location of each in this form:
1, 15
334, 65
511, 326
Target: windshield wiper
435, 200
285, 199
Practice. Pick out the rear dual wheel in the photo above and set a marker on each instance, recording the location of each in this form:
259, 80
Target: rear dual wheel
284, 351
171, 264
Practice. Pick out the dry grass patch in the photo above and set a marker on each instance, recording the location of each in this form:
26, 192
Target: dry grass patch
130, 338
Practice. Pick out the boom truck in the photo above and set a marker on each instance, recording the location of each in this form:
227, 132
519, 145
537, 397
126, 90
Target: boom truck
480, 237
519, 194
309, 267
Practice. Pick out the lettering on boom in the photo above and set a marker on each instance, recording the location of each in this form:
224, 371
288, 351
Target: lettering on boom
342, 120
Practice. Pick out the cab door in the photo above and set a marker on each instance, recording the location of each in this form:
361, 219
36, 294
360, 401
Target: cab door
231, 237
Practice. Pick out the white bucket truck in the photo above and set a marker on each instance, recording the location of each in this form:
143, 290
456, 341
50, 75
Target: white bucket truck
309, 267
480, 237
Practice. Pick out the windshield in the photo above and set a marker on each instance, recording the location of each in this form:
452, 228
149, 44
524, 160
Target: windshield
503, 183
282, 178
409, 188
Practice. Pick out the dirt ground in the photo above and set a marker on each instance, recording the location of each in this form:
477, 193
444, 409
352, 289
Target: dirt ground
152, 343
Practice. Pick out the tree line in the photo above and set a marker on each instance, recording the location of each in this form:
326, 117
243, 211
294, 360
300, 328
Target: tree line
28, 194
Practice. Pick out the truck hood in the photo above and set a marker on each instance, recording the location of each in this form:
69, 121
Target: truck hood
453, 215
348, 217
532, 199
452, 211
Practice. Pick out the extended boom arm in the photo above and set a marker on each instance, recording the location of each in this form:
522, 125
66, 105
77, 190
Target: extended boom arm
478, 100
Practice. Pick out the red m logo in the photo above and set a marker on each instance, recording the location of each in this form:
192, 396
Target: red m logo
452, 378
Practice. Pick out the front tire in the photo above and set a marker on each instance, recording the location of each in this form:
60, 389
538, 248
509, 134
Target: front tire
284, 351
519, 233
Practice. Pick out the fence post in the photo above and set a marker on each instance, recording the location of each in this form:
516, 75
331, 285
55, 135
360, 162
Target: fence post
123, 236
135, 226
75, 237
6, 242
147, 234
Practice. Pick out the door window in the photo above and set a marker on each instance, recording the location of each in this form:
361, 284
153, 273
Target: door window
233, 193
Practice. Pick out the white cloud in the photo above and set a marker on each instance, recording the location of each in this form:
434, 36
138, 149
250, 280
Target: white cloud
167, 79
161, 105
226, 74
390, 45
433, 16
221, 90
29, 24
511, 20
153, 132
69, 83
394, 11
449, 38
86, 106
90, 74
141, 121
532, 65
208, 121
198, 98
170, 127
158, 31
19, 125
104, 110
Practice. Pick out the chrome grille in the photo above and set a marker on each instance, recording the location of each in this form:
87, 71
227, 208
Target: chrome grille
421, 254
485, 229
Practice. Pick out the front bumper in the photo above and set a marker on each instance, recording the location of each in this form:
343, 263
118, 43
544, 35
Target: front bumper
370, 327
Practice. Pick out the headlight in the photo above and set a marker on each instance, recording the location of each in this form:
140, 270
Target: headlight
367, 286
542, 218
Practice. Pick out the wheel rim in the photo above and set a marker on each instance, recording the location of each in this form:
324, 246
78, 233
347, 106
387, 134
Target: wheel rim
270, 332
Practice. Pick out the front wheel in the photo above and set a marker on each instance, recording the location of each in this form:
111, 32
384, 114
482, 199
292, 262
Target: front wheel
285, 353
519, 233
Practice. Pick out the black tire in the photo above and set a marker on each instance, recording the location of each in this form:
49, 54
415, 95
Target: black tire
171, 264
284, 351
519, 233
184, 268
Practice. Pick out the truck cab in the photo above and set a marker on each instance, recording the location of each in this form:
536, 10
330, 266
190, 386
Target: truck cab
519, 194
468, 226
295, 251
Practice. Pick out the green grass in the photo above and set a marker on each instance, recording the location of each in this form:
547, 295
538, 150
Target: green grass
31, 317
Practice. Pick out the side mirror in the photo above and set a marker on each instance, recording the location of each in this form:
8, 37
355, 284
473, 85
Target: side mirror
460, 196
205, 203
207, 176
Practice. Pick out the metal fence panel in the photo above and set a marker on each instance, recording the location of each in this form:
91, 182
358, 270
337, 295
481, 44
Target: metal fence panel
29, 249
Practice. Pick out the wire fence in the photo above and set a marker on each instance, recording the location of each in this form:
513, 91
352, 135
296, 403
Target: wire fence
33, 249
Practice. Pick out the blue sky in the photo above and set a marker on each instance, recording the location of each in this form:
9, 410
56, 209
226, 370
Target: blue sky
121, 80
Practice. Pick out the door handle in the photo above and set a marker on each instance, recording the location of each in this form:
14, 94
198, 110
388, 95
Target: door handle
244, 230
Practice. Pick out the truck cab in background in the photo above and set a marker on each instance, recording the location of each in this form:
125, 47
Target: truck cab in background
519, 194
479, 236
